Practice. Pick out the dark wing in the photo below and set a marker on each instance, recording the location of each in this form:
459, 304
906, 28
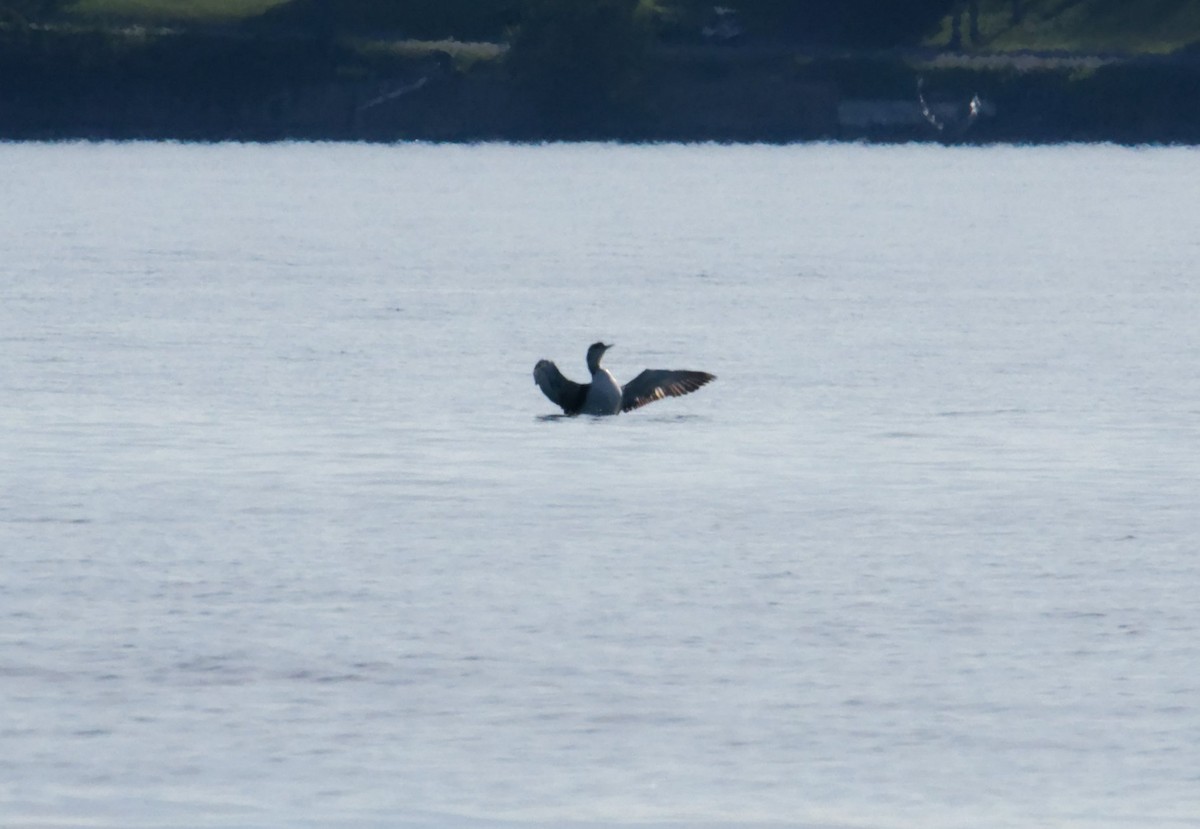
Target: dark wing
656, 383
561, 391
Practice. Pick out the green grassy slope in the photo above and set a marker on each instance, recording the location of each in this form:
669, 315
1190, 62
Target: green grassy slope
1086, 26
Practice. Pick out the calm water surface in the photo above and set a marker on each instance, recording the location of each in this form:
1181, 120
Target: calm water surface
287, 542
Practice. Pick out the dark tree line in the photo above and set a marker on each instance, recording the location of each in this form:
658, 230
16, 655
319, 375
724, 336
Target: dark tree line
24, 12
581, 61
864, 23
859, 23
583, 64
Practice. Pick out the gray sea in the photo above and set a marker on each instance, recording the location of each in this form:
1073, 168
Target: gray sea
287, 538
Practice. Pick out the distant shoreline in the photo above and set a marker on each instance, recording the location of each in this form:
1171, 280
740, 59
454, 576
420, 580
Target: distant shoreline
211, 89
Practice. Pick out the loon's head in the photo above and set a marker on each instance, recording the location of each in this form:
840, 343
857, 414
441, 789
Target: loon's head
594, 354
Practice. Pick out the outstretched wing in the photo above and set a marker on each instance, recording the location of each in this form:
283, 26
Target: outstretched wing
561, 391
655, 384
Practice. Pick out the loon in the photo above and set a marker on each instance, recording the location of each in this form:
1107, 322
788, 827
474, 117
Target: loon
604, 395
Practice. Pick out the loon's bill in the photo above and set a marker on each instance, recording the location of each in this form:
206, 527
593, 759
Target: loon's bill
604, 395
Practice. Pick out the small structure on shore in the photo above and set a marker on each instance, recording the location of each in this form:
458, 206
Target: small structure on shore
950, 119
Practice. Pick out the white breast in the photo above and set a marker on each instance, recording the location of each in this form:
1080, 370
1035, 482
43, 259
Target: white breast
604, 396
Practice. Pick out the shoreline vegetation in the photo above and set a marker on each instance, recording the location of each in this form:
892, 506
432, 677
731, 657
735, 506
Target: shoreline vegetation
990, 71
